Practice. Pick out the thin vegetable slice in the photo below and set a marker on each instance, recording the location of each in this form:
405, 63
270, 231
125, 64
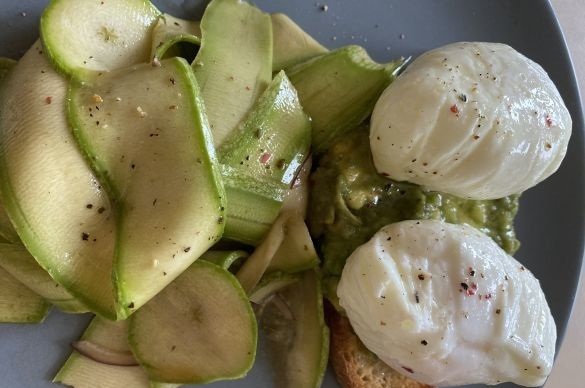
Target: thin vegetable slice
69, 229
18, 304
261, 159
170, 31
298, 336
287, 247
296, 252
205, 328
111, 339
292, 45
234, 63
7, 231
93, 35
225, 259
17, 261
297, 197
339, 89
145, 134
271, 284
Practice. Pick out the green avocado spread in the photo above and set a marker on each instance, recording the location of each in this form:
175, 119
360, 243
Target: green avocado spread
350, 202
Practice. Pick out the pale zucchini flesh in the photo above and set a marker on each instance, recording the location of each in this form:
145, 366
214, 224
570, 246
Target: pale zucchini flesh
7, 231
169, 31
199, 329
296, 252
292, 45
5, 65
234, 63
145, 134
16, 260
55, 202
19, 304
287, 247
94, 35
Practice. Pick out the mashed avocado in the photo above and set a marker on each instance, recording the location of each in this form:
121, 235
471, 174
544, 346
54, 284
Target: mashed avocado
350, 202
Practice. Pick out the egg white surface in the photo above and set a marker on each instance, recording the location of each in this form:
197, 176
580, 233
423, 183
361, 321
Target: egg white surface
477, 120
445, 305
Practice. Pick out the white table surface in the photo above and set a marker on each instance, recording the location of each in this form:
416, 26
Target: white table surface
569, 370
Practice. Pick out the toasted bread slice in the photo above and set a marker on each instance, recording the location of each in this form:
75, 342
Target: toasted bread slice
354, 365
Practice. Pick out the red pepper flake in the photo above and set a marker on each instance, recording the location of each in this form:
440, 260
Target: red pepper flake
471, 290
454, 109
488, 296
409, 370
49, 100
549, 121
265, 158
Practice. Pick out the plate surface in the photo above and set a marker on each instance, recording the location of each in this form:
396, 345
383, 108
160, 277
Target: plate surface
551, 219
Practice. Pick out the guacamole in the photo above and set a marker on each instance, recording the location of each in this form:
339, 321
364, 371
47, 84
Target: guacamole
350, 202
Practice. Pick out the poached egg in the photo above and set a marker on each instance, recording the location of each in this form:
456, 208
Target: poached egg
477, 120
445, 305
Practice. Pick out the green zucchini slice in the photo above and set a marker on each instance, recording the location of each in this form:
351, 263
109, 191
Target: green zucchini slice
234, 63
94, 35
261, 159
170, 31
144, 132
81, 371
16, 260
53, 199
292, 45
225, 259
339, 90
19, 304
201, 328
298, 336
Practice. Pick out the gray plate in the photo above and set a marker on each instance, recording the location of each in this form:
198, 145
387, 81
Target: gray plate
551, 219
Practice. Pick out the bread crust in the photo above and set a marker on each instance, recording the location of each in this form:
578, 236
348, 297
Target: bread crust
354, 365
